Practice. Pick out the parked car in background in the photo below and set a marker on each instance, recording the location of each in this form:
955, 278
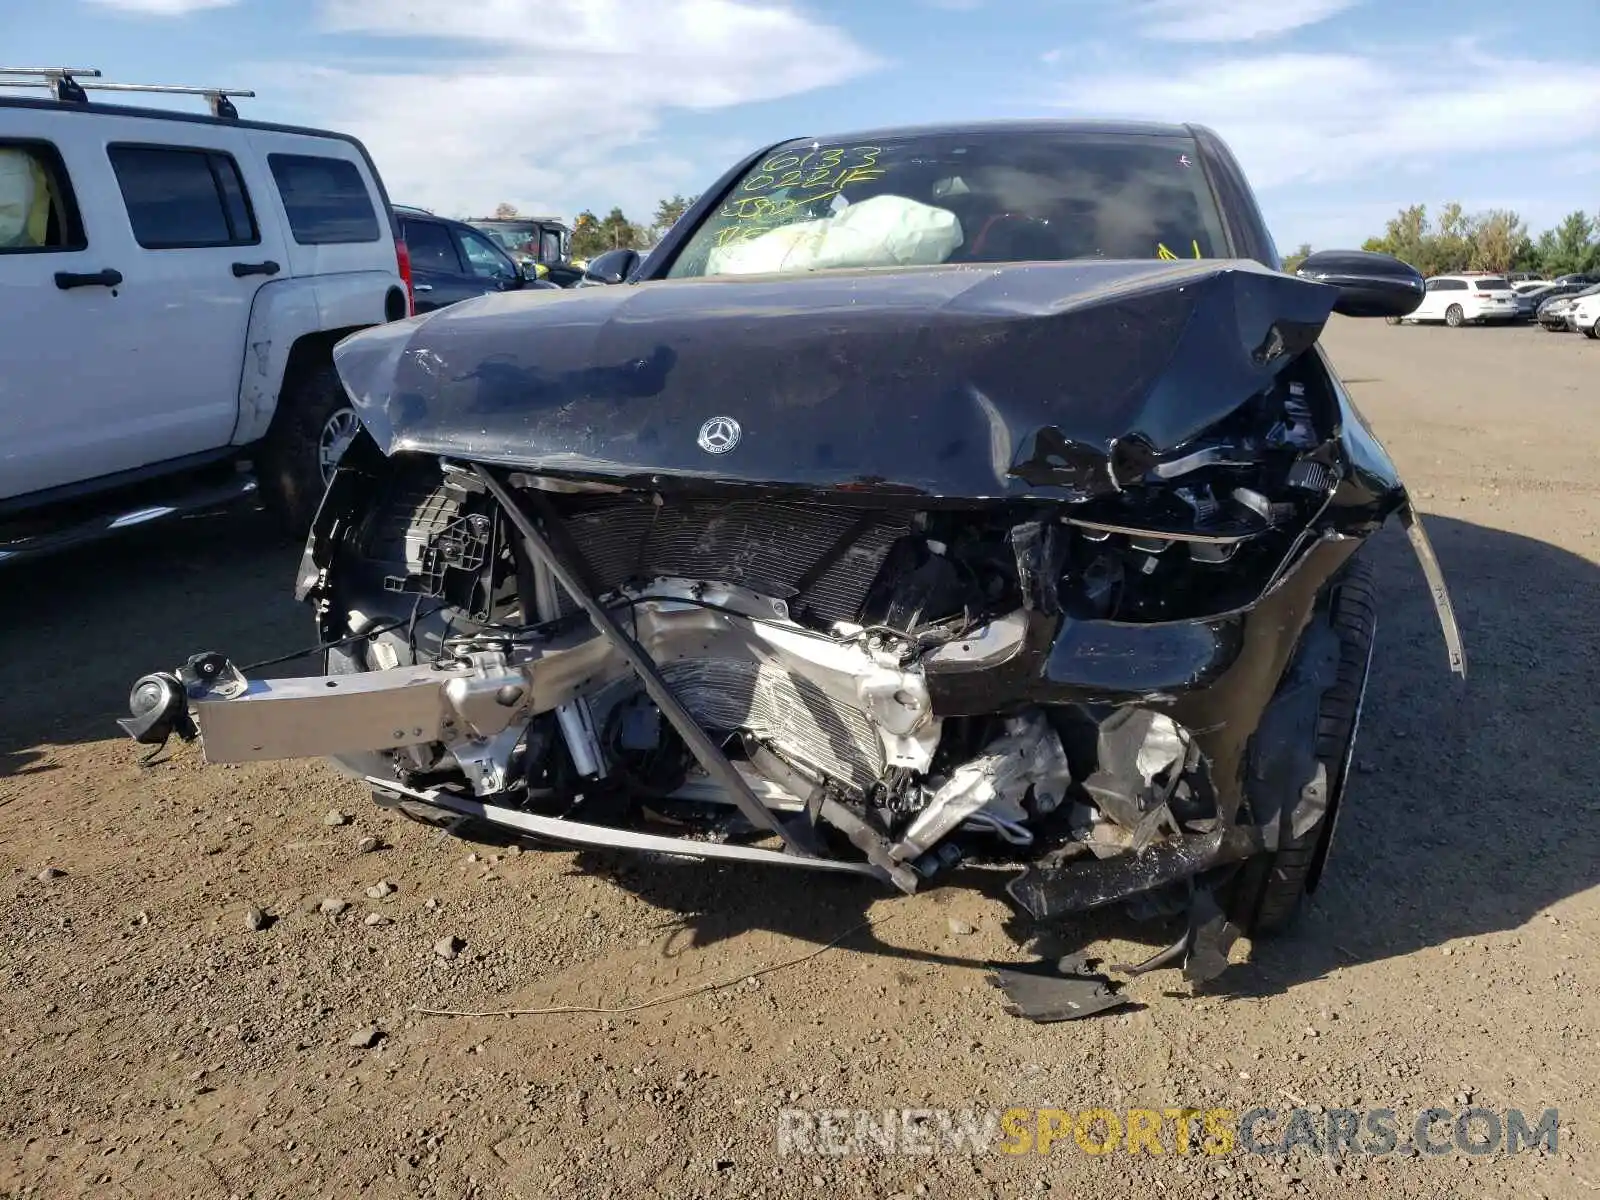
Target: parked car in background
1528, 294
545, 241
451, 261
1584, 314
1583, 278
1530, 297
1552, 313
1516, 277
174, 284
1465, 300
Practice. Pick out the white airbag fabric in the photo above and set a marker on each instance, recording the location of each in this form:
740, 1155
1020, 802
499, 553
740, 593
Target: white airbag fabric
885, 231
22, 200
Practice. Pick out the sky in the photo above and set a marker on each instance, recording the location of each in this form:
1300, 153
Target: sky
1341, 111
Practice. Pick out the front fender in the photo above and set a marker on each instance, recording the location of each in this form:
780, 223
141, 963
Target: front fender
284, 312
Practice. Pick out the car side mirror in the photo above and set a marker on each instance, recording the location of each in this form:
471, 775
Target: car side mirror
613, 266
1370, 285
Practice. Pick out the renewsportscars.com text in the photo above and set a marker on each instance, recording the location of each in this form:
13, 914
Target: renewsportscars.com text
1178, 1130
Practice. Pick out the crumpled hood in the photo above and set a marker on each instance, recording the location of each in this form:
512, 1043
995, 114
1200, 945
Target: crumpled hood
952, 381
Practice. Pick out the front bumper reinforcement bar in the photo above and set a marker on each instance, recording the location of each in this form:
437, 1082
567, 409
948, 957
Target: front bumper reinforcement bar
579, 833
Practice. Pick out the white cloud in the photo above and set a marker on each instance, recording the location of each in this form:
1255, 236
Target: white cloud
164, 8
1335, 119
1232, 20
552, 104
1335, 144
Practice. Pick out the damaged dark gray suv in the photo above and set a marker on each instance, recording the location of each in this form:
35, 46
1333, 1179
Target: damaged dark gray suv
928, 500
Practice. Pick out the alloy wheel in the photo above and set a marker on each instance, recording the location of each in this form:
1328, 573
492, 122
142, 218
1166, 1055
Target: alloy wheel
338, 431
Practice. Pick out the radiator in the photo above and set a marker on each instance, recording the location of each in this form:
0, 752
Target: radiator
786, 711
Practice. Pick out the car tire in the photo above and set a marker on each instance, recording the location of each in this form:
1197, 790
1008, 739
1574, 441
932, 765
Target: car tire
1268, 891
1392, 320
1454, 317
1593, 331
314, 419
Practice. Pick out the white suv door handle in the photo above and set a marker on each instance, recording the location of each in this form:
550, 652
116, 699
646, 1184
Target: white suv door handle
110, 277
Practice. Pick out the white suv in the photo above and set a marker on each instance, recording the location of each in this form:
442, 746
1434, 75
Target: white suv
1466, 299
173, 286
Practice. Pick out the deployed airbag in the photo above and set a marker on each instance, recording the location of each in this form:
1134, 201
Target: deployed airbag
885, 231
24, 200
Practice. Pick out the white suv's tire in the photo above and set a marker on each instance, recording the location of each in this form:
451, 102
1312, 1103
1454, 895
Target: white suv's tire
1454, 317
313, 412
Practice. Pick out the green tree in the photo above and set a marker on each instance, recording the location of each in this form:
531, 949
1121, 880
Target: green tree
1408, 237
1496, 240
592, 235
1451, 246
1570, 246
1291, 262
586, 238
1498, 237
668, 213
1527, 256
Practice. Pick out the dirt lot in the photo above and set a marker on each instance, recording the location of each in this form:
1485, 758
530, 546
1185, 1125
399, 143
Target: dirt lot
153, 1044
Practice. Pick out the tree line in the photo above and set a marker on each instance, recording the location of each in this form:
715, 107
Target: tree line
1454, 240
1496, 240
592, 234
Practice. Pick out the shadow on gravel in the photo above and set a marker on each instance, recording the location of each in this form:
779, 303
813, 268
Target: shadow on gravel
77, 629
1472, 807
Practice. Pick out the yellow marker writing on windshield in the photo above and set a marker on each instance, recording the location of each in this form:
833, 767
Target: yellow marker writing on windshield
1168, 256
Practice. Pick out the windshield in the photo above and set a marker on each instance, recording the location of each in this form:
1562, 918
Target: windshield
512, 238
981, 197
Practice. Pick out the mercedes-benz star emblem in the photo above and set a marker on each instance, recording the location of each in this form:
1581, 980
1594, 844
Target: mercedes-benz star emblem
719, 435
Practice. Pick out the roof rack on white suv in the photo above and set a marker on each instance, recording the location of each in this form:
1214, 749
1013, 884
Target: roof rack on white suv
65, 85
175, 283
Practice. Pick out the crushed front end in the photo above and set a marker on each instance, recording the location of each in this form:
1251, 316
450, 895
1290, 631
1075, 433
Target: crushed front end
1128, 667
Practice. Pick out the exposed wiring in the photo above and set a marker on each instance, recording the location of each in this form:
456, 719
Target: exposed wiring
497, 631
671, 997
1017, 835
322, 647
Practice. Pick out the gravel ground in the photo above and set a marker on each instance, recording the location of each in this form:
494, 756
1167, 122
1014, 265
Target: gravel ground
210, 980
